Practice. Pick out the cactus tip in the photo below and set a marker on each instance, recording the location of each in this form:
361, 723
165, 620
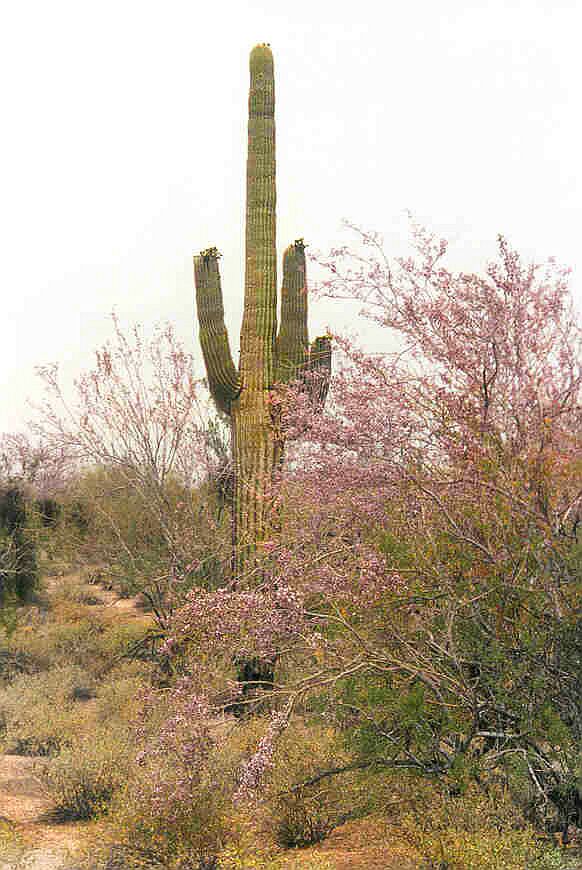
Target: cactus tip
210, 254
261, 56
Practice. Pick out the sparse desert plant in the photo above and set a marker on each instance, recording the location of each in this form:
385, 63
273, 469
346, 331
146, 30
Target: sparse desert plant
134, 639
83, 778
57, 640
475, 831
13, 663
11, 845
300, 815
118, 695
250, 857
81, 634
41, 713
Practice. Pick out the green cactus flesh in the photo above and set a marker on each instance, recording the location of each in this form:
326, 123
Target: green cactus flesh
265, 357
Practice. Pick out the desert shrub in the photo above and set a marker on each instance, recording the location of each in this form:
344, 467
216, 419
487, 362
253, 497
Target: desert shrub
474, 831
155, 545
251, 858
18, 569
128, 639
13, 663
77, 641
73, 589
301, 816
11, 845
489, 850
39, 713
83, 778
67, 634
119, 694
189, 829
174, 807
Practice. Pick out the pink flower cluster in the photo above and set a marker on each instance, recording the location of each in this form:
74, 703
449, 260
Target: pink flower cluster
253, 772
244, 623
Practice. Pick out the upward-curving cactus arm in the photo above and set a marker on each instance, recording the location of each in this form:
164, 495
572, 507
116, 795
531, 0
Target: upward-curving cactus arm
296, 359
320, 366
293, 342
223, 378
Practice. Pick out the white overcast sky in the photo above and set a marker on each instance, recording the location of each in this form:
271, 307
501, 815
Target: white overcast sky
122, 149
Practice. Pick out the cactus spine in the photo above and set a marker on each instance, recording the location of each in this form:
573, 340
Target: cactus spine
265, 357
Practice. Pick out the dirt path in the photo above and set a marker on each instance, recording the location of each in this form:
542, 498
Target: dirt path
367, 844
22, 807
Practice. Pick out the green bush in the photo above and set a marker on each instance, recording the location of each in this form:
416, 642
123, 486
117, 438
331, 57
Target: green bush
127, 639
195, 830
489, 850
13, 663
301, 817
118, 696
65, 635
11, 845
18, 568
175, 808
83, 778
474, 831
40, 713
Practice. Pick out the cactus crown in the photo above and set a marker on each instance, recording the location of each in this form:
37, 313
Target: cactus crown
210, 254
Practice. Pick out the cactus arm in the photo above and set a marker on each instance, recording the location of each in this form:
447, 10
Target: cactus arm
223, 378
260, 302
320, 367
292, 342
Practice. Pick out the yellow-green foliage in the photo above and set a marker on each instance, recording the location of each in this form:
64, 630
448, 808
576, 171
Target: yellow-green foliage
74, 633
126, 530
83, 778
204, 826
124, 639
151, 823
118, 694
308, 815
250, 858
11, 845
474, 832
197, 830
95, 762
39, 713
69, 633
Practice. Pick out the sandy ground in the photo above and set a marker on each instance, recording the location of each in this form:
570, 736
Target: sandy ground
22, 806
362, 845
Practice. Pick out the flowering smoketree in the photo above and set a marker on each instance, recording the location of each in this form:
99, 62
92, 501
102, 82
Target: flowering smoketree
137, 423
459, 460
431, 523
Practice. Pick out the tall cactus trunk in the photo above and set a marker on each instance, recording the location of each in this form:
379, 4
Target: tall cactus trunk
265, 358
252, 433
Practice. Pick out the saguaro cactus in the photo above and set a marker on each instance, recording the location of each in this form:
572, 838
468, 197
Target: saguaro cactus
265, 357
